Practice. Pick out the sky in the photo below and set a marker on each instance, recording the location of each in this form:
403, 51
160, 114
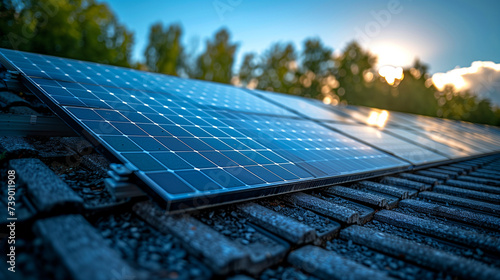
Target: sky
444, 34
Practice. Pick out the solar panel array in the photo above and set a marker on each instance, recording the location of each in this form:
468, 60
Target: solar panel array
189, 140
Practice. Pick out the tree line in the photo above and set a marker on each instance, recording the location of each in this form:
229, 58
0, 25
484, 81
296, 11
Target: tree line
89, 30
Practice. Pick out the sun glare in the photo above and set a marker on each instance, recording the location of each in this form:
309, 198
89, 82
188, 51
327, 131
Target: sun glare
391, 73
378, 119
391, 54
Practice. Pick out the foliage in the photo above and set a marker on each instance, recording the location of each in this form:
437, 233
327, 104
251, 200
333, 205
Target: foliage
351, 66
277, 70
317, 68
164, 51
248, 71
79, 29
216, 62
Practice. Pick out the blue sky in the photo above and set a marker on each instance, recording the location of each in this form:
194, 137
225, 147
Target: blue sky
444, 34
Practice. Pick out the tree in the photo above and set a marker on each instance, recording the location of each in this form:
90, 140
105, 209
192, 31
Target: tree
352, 65
79, 29
278, 69
316, 71
164, 51
466, 106
413, 96
248, 71
317, 58
9, 16
216, 62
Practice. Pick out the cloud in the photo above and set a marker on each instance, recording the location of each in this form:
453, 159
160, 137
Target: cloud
481, 78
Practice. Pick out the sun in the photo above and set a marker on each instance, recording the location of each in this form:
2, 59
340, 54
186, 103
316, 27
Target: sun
391, 73
392, 55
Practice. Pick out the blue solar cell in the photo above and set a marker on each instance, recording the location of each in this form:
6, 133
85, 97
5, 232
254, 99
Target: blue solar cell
174, 184
198, 180
128, 129
148, 143
65, 100
144, 162
172, 161
223, 178
244, 175
101, 128
195, 159
173, 144
121, 143
196, 144
219, 159
264, 173
85, 114
239, 158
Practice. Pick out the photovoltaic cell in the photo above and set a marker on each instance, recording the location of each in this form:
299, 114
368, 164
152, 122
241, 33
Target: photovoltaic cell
191, 140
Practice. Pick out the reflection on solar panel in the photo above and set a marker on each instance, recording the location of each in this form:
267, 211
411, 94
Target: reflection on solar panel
472, 139
414, 137
362, 114
403, 149
193, 141
303, 106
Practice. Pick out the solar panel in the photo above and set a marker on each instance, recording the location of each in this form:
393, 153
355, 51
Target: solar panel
467, 142
187, 141
449, 133
303, 106
379, 139
437, 147
474, 141
319, 111
95, 83
364, 115
488, 139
